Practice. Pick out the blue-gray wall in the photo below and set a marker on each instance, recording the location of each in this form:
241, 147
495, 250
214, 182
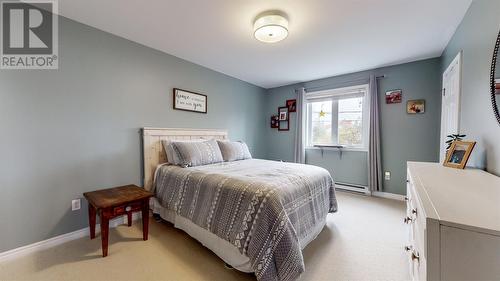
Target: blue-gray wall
476, 37
75, 129
403, 137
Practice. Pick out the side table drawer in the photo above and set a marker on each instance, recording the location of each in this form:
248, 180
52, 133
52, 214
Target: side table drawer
132, 207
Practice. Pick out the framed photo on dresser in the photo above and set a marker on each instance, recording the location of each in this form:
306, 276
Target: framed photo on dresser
458, 154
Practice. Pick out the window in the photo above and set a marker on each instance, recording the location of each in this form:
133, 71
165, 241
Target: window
338, 117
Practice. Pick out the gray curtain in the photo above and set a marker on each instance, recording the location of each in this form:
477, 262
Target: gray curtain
300, 152
374, 161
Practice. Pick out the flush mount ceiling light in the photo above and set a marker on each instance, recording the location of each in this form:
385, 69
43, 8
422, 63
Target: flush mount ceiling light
270, 28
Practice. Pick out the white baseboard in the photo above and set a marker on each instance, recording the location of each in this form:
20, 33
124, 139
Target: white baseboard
58, 240
388, 195
360, 189
364, 190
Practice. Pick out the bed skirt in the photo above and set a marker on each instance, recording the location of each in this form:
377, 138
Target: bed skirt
222, 248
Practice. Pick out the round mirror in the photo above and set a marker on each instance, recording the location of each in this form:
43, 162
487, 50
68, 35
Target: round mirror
495, 81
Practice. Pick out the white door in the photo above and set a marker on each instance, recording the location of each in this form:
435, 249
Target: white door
450, 106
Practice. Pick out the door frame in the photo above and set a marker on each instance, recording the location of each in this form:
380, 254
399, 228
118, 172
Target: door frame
458, 62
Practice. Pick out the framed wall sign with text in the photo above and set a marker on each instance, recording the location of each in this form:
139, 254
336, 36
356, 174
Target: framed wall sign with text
190, 101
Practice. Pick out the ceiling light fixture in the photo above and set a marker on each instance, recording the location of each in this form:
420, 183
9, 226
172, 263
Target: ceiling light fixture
270, 28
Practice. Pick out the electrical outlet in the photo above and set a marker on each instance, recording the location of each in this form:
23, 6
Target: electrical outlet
387, 176
76, 204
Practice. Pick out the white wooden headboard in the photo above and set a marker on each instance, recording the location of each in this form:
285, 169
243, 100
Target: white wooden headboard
153, 152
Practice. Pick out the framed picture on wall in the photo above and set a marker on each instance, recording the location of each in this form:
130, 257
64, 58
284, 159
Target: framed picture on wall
284, 125
393, 96
283, 120
190, 101
292, 105
415, 106
275, 121
283, 113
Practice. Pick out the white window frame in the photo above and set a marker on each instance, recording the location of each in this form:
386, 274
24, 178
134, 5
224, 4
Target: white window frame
335, 94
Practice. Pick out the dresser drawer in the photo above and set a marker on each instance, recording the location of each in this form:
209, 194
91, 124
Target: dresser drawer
418, 222
418, 267
416, 257
415, 218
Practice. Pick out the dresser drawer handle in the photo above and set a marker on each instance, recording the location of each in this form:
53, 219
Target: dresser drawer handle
407, 220
407, 199
414, 211
408, 248
128, 208
415, 256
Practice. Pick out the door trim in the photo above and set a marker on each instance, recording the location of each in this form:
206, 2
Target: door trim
456, 61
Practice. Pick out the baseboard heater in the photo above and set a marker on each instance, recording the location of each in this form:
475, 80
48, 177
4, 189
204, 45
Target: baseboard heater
351, 187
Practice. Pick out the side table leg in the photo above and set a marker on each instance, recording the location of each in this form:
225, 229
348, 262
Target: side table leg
104, 234
92, 214
145, 219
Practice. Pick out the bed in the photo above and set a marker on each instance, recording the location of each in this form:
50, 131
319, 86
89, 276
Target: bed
256, 215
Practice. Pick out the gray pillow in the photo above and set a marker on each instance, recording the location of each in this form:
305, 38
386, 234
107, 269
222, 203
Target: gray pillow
169, 151
234, 150
192, 154
168, 147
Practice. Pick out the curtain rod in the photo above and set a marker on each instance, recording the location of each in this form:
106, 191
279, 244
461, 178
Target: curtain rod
335, 84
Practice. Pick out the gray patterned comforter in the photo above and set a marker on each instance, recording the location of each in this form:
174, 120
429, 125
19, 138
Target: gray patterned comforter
264, 208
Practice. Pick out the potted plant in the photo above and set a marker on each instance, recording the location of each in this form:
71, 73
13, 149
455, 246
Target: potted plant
451, 139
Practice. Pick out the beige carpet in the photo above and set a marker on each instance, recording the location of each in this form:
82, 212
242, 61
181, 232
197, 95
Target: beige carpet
363, 241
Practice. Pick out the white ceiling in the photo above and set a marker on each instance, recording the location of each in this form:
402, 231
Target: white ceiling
327, 37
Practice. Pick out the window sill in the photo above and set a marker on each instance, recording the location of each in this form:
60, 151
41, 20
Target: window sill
355, 149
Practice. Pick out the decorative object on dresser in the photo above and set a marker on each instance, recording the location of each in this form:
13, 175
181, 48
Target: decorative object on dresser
292, 105
415, 106
190, 101
458, 154
114, 202
393, 96
452, 138
453, 219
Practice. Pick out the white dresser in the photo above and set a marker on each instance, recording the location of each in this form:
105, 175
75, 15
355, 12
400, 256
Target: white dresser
454, 223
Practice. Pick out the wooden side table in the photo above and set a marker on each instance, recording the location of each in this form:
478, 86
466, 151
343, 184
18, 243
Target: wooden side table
114, 202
